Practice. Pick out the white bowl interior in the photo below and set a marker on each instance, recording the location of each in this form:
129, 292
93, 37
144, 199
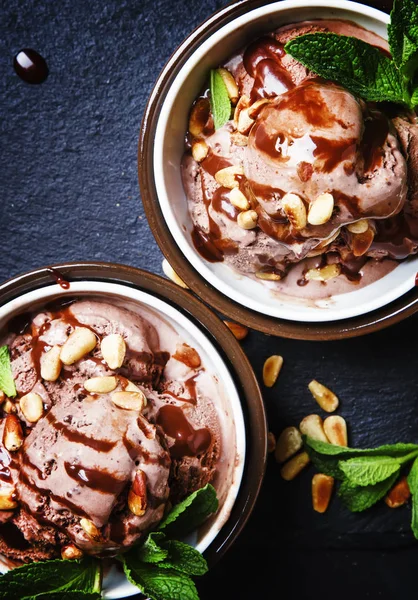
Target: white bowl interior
169, 148
229, 406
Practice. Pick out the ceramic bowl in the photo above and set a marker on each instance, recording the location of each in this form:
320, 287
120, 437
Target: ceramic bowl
240, 406
160, 151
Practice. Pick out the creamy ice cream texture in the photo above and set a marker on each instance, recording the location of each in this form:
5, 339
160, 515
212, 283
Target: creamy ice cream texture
305, 176
116, 440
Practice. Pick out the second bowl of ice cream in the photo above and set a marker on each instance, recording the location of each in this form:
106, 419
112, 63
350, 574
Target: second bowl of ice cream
123, 407
299, 206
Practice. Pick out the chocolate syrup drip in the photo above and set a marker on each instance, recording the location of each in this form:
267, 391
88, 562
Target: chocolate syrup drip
30, 66
221, 203
214, 163
262, 60
376, 130
80, 438
331, 153
46, 492
4, 465
59, 278
96, 479
188, 441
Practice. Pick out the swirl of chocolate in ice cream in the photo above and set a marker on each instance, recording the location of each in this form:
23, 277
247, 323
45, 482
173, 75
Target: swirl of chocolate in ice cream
113, 442
295, 138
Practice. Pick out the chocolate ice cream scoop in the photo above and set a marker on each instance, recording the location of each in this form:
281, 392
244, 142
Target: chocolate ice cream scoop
111, 421
77, 462
303, 177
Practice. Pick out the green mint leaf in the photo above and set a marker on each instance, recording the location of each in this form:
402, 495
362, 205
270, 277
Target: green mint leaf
414, 98
413, 486
159, 584
219, 100
7, 384
358, 498
190, 513
73, 595
183, 558
151, 550
369, 470
403, 33
329, 465
398, 450
58, 576
354, 64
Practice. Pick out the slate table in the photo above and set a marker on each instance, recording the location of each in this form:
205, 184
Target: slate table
69, 191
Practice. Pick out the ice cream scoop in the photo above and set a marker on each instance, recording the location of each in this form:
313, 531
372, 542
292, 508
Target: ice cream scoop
111, 421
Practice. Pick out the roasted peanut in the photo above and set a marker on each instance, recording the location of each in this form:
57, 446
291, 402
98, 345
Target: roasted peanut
326, 399
313, 427
289, 442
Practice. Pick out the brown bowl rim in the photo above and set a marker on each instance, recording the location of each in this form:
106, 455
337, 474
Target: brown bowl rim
219, 334
369, 322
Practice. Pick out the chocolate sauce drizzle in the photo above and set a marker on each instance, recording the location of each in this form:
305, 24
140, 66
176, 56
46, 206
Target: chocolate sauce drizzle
187, 440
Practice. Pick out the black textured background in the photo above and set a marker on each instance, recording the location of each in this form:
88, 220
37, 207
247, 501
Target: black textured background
69, 191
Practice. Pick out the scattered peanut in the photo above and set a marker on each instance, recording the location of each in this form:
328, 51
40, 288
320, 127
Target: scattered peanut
289, 442
101, 385
238, 199
295, 210
51, 364
324, 273
322, 486
399, 494
238, 139
271, 369
12, 434
71, 552
255, 108
137, 497
326, 399
313, 427
171, 274
230, 84
199, 150
239, 331
129, 400
91, 529
113, 349
335, 429
187, 355
81, 342
268, 276
359, 226
227, 177
8, 498
321, 209
247, 219
32, 407
294, 466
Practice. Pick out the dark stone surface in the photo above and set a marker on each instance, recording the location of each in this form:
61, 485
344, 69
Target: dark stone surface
69, 191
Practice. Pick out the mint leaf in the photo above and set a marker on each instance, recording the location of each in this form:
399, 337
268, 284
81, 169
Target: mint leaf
219, 100
36, 580
358, 498
183, 558
413, 486
403, 33
159, 584
369, 470
394, 450
191, 512
354, 64
151, 551
7, 384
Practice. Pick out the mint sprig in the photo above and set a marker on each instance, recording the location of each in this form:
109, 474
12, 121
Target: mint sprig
191, 512
52, 579
7, 384
366, 474
362, 68
219, 100
161, 567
